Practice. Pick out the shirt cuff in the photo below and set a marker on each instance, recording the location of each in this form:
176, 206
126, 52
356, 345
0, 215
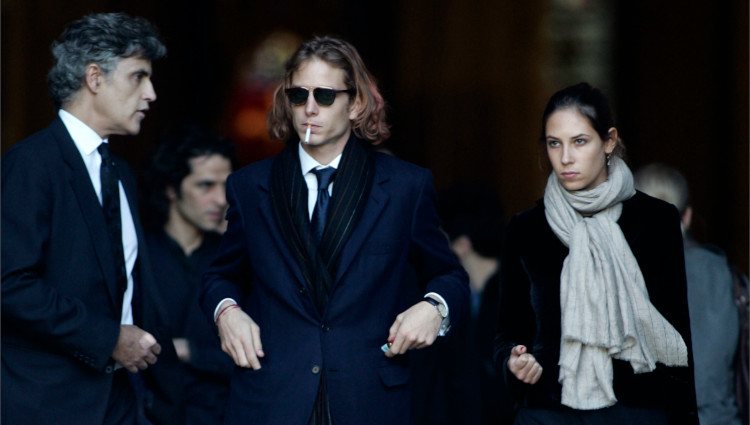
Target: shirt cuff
216, 310
445, 325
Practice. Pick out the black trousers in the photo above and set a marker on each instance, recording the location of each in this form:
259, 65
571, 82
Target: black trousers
614, 415
122, 407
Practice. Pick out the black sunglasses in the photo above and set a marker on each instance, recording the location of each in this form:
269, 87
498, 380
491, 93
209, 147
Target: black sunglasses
323, 96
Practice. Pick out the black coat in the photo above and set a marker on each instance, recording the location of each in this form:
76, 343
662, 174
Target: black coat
530, 306
60, 309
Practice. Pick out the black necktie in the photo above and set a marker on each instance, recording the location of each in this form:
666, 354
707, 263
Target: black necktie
325, 177
111, 208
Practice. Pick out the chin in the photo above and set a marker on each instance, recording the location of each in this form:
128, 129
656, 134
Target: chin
572, 186
132, 131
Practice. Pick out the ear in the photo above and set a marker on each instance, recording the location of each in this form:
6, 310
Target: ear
355, 108
687, 217
93, 77
611, 143
170, 193
462, 246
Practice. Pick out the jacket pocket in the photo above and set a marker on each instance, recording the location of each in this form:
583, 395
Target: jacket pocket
394, 375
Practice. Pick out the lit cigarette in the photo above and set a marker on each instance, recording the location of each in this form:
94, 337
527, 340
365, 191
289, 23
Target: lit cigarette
307, 134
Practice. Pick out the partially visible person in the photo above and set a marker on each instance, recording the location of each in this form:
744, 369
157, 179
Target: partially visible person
593, 325
187, 202
455, 381
333, 267
79, 310
714, 322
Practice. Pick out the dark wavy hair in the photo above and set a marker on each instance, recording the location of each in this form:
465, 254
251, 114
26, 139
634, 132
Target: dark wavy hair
171, 164
590, 102
370, 123
103, 39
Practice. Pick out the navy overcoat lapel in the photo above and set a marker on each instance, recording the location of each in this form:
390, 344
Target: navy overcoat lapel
80, 182
373, 207
266, 209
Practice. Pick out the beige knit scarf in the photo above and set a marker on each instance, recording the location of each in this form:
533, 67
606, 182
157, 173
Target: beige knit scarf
606, 312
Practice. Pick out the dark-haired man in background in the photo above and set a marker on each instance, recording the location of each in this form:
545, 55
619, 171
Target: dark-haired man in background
78, 306
187, 203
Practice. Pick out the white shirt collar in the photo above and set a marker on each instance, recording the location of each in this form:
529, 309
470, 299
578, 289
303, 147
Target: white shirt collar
83, 136
308, 163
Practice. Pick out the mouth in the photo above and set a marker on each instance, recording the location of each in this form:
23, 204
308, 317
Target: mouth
215, 216
569, 175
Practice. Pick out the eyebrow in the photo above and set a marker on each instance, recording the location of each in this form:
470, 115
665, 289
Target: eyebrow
577, 136
141, 71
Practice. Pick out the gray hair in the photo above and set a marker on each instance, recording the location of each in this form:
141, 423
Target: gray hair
103, 39
663, 182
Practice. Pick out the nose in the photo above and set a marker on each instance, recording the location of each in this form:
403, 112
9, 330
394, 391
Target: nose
149, 94
220, 196
567, 155
311, 107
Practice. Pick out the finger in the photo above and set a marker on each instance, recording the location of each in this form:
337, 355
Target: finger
529, 365
147, 340
250, 353
394, 329
255, 334
394, 339
156, 349
533, 374
526, 373
516, 364
536, 375
150, 358
420, 342
429, 340
142, 365
240, 355
518, 350
131, 368
400, 344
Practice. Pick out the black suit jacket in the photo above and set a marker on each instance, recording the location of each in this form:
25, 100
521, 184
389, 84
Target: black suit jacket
60, 307
394, 255
530, 305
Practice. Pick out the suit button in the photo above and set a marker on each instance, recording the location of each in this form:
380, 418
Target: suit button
316, 369
325, 327
301, 290
109, 369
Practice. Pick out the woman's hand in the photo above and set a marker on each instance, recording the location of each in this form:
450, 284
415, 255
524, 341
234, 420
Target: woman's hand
524, 366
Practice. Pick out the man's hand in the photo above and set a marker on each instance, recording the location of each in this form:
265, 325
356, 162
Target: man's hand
182, 348
240, 337
417, 327
136, 349
524, 366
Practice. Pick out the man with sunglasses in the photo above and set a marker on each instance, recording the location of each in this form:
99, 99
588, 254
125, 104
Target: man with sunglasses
333, 265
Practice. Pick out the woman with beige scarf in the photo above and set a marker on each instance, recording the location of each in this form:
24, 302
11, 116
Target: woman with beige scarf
593, 326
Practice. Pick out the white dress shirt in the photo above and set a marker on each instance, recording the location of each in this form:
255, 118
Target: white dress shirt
308, 164
87, 142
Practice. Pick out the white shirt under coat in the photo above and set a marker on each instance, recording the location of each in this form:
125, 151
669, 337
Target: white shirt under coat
87, 142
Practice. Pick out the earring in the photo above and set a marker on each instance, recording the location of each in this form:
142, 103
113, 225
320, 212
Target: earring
608, 157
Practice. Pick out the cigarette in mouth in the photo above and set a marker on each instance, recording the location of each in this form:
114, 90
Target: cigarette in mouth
307, 134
